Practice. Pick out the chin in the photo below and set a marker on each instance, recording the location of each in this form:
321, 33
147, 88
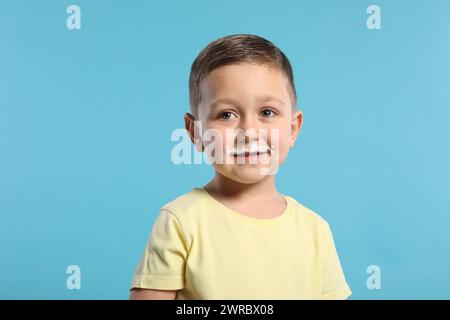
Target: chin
247, 175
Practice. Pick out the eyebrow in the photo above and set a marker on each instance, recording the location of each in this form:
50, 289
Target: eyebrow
263, 99
269, 99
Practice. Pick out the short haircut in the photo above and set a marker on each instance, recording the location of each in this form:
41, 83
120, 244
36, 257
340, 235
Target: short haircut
235, 49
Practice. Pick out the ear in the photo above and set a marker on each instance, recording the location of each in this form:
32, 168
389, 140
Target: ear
193, 131
296, 125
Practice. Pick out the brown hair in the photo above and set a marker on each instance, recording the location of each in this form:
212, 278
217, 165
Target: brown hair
235, 49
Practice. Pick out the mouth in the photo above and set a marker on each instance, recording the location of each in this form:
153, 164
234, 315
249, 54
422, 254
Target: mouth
249, 152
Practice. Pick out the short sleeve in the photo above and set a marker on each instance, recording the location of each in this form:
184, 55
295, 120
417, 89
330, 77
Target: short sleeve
162, 265
334, 285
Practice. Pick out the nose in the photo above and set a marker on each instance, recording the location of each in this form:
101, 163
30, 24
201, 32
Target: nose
248, 130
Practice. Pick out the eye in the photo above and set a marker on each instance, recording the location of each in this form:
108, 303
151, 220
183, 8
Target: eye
267, 113
226, 115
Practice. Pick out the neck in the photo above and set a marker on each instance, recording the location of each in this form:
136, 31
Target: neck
223, 186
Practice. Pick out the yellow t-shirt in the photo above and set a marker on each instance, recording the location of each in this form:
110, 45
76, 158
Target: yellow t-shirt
208, 251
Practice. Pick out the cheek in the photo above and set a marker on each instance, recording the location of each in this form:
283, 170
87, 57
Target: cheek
219, 143
285, 143
281, 142
280, 136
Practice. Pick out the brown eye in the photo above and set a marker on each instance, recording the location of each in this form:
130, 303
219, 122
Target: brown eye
267, 113
226, 115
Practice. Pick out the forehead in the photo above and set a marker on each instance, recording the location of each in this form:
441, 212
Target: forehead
244, 82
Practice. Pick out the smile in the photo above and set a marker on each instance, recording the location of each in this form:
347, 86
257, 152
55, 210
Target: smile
254, 150
249, 154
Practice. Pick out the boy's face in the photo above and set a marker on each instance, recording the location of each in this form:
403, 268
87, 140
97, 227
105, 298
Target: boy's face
255, 99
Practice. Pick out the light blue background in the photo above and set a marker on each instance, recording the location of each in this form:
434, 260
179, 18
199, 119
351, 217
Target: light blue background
86, 117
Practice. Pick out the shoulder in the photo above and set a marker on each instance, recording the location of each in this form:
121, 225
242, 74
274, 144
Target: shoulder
313, 226
309, 217
185, 206
187, 211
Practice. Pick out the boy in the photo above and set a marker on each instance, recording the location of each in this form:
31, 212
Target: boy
237, 237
